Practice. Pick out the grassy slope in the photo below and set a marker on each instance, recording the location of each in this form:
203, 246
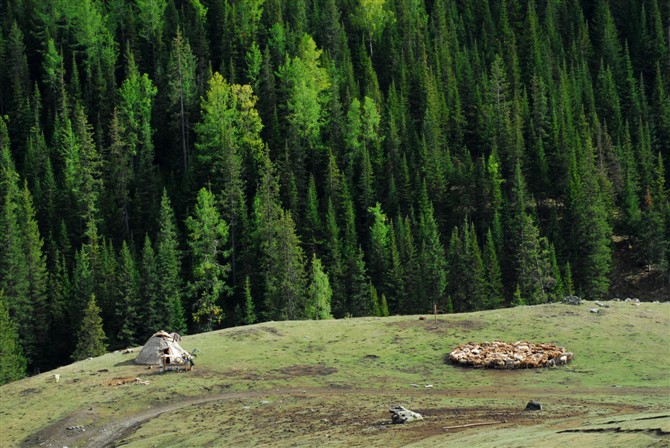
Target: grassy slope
330, 383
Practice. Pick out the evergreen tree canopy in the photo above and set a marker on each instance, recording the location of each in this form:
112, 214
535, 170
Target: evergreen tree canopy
200, 164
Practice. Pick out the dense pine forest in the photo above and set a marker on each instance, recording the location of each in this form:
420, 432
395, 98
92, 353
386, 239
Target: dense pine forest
194, 164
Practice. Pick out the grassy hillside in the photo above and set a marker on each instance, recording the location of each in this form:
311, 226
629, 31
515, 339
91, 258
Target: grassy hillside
330, 383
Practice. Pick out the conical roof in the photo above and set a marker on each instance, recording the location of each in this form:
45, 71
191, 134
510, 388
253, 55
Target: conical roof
159, 345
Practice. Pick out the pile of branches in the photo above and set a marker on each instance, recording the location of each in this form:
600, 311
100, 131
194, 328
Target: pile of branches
503, 355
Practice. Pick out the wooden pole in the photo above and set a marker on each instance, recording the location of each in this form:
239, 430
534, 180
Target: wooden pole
435, 311
469, 425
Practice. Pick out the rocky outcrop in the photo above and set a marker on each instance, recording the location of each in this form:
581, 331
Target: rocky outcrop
572, 300
503, 355
401, 415
534, 406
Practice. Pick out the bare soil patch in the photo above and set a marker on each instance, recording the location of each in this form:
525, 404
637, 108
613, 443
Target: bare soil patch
441, 325
307, 370
125, 380
29, 391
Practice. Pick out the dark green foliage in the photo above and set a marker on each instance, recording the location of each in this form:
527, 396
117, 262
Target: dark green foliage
431, 259
320, 294
249, 314
535, 273
286, 280
207, 237
12, 361
493, 295
468, 280
169, 307
127, 313
312, 124
90, 337
151, 321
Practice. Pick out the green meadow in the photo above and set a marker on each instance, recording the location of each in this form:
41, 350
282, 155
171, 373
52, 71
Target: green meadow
331, 383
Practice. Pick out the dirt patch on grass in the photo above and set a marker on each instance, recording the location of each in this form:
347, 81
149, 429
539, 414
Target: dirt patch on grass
251, 333
125, 380
243, 333
441, 325
27, 392
307, 370
272, 330
58, 434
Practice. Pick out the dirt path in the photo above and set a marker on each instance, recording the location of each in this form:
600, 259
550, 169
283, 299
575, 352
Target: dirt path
109, 435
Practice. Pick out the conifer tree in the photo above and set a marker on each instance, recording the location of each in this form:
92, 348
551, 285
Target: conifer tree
494, 296
313, 226
182, 93
592, 229
412, 277
306, 82
38, 171
535, 275
12, 361
373, 301
106, 289
333, 261
118, 174
229, 130
18, 104
358, 291
569, 285
83, 287
517, 298
36, 271
61, 329
15, 271
286, 281
467, 275
383, 307
394, 282
546, 122
169, 309
320, 293
208, 234
90, 337
265, 215
379, 246
431, 258
249, 314
557, 290
136, 96
150, 321
127, 313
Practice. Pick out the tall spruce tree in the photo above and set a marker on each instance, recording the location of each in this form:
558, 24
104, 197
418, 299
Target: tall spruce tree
90, 337
127, 313
286, 280
169, 307
12, 361
149, 292
535, 275
320, 294
207, 237
15, 272
494, 295
431, 258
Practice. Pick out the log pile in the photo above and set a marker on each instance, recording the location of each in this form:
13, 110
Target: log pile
503, 355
